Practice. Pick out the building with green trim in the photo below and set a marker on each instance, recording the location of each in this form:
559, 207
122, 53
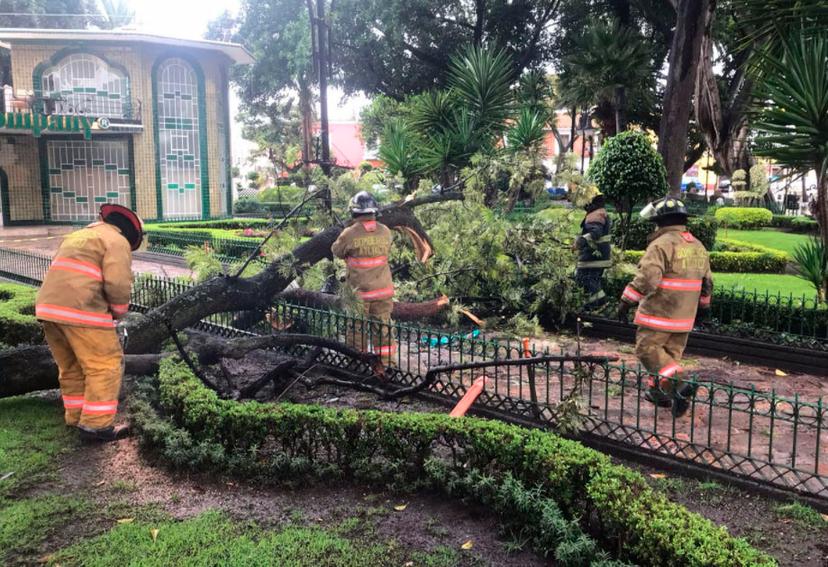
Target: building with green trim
94, 117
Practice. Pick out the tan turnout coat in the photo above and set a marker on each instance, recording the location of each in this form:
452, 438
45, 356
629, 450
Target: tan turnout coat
672, 280
90, 279
365, 246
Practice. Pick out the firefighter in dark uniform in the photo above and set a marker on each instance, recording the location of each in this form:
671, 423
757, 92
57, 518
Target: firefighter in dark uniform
673, 282
594, 249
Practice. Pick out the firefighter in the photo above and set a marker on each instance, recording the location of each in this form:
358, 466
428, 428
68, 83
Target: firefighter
672, 284
594, 249
365, 246
86, 290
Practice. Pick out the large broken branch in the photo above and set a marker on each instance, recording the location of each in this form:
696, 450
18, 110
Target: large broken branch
224, 293
403, 311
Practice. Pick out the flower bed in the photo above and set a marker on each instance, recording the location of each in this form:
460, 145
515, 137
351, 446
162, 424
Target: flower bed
496, 464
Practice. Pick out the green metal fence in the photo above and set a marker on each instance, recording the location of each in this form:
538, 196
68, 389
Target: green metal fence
764, 436
749, 433
177, 243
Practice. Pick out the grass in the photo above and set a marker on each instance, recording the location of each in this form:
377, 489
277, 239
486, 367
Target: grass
802, 514
782, 241
25, 524
214, 539
32, 434
772, 283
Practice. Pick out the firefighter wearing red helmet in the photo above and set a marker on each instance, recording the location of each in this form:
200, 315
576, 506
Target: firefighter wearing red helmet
86, 290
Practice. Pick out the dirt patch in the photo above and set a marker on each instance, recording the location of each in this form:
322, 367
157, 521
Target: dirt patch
120, 481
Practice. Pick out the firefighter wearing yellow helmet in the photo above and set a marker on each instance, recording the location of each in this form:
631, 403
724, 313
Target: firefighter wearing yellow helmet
673, 282
84, 293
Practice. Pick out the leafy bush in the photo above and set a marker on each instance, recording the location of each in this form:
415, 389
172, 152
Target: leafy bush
248, 205
17, 321
812, 265
795, 224
628, 170
295, 441
744, 217
771, 262
703, 228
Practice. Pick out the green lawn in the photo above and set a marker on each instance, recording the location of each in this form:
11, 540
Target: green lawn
772, 283
782, 241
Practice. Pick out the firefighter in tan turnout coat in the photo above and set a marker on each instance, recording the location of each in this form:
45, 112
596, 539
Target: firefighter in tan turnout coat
86, 289
365, 246
672, 283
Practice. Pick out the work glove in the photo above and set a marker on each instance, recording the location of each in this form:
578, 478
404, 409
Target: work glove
624, 311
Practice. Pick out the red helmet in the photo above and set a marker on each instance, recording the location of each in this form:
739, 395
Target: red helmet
130, 224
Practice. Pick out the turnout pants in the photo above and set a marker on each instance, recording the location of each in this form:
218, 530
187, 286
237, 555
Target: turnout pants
590, 281
660, 353
90, 364
373, 336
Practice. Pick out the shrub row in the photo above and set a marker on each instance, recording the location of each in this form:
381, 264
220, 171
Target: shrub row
175, 242
744, 217
770, 262
419, 450
17, 322
795, 224
703, 228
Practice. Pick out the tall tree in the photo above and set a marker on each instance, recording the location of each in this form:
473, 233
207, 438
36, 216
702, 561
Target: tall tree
402, 47
277, 90
693, 18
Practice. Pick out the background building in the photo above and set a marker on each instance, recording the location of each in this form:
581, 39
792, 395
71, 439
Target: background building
93, 117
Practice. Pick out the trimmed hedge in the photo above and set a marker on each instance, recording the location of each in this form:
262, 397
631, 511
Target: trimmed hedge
744, 217
287, 441
800, 224
703, 228
770, 262
17, 321
176, 242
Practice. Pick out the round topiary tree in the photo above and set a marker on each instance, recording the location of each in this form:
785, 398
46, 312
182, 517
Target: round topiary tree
629, 172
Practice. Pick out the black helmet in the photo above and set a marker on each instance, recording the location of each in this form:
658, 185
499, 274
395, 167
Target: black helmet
129, 223
363, 203
663, 208
597, 202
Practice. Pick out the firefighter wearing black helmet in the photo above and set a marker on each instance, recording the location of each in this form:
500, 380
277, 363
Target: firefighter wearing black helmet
84, 293
672, 283
365, 246
594, 251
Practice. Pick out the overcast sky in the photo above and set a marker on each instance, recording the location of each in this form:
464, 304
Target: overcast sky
189, 19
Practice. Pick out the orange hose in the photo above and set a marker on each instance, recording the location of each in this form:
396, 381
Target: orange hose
471, 395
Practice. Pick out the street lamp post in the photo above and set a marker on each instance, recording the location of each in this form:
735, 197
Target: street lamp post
587, 131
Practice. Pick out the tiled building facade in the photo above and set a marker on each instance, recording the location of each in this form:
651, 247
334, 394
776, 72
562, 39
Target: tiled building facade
142, 121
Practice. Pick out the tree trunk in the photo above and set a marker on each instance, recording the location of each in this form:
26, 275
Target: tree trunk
620, 109
217, 295
725, 130
693, 19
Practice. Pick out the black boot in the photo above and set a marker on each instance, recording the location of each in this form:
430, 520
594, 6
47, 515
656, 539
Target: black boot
105, 435
683, 397
658, 397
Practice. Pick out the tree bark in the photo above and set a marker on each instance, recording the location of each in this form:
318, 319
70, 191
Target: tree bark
32, 368
692, 25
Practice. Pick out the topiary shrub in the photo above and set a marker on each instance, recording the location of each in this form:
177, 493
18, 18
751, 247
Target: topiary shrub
17, 321
744, 217
572, 487
703, 228
629, 172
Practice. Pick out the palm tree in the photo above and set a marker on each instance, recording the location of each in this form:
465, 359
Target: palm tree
792, 118
116, 14
609, 59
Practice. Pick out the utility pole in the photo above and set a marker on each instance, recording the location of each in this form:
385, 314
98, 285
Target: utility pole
321, 51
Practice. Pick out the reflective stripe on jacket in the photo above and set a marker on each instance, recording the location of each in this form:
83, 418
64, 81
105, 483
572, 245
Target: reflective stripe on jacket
595, 244
90, 279
672, 280
365, 246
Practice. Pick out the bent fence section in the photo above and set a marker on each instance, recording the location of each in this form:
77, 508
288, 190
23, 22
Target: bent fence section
748, 433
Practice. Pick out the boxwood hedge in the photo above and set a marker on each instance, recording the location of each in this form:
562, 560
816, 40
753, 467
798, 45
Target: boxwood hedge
17, 321
703, 228
767, 262
287, 441
744, 217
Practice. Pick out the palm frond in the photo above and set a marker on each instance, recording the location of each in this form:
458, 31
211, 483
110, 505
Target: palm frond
528, 131
481, 78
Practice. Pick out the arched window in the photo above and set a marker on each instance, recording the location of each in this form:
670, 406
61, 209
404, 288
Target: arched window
179, 129
81, 83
